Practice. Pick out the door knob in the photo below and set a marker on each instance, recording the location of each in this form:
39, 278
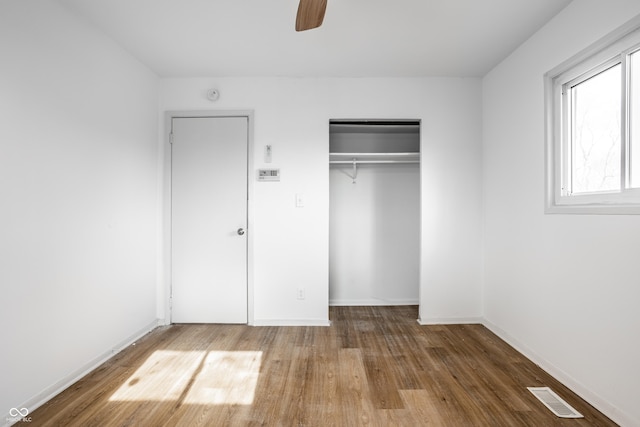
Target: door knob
240, 231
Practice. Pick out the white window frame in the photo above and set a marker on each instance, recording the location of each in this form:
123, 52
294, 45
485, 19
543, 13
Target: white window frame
607, 52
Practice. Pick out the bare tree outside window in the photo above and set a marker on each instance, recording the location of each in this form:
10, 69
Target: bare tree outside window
592, 124
596, 139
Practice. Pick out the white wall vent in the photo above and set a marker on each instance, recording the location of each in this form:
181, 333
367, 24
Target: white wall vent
554, 402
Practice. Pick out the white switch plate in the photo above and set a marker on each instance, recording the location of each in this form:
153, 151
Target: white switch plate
299, 200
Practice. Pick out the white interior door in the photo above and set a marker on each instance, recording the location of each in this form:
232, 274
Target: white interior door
209, 219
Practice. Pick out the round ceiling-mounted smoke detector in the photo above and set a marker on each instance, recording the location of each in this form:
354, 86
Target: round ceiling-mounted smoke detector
213, 95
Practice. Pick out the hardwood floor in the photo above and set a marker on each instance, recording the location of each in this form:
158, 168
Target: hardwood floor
374, 366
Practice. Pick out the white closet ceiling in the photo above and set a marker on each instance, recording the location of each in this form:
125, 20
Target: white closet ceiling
358, 38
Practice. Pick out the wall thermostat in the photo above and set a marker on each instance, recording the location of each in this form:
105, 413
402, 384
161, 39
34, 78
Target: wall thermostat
268, 174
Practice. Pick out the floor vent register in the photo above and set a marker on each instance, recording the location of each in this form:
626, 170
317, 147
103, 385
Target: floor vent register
554, 402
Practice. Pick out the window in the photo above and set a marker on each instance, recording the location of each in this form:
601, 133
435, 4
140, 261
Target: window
593, 128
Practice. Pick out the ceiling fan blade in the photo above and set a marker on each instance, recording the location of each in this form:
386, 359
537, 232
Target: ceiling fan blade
310, 14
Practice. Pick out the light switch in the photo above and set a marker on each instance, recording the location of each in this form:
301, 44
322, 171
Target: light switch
299, 200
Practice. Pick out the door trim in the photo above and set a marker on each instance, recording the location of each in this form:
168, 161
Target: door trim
164, 285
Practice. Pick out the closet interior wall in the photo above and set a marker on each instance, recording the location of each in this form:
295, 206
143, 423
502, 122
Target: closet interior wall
374, 239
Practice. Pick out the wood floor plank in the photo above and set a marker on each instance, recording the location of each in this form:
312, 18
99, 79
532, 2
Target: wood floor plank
356, 408
374, 366
424, 407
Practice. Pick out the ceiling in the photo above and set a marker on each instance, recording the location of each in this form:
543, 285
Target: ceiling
359, 38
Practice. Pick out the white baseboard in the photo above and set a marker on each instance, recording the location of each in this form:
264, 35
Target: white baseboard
372, 302
291, 322
451, 321
55, 389
593, 399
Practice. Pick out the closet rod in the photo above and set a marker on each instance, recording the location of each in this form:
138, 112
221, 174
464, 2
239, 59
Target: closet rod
350, 162
412, 153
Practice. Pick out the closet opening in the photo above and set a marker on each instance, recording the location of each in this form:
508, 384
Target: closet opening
374, 231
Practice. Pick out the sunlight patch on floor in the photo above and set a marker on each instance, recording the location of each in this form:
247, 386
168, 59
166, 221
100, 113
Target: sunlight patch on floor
194, 377
227, 377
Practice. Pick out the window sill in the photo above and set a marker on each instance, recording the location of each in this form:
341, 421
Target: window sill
592, 209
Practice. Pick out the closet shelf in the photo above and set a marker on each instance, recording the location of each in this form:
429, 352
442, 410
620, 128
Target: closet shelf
350, 158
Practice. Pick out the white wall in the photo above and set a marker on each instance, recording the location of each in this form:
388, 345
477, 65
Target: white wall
78, 216
374, 235
563, 288
291, 244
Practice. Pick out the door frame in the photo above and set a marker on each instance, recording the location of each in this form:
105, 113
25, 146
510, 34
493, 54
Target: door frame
165, 161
